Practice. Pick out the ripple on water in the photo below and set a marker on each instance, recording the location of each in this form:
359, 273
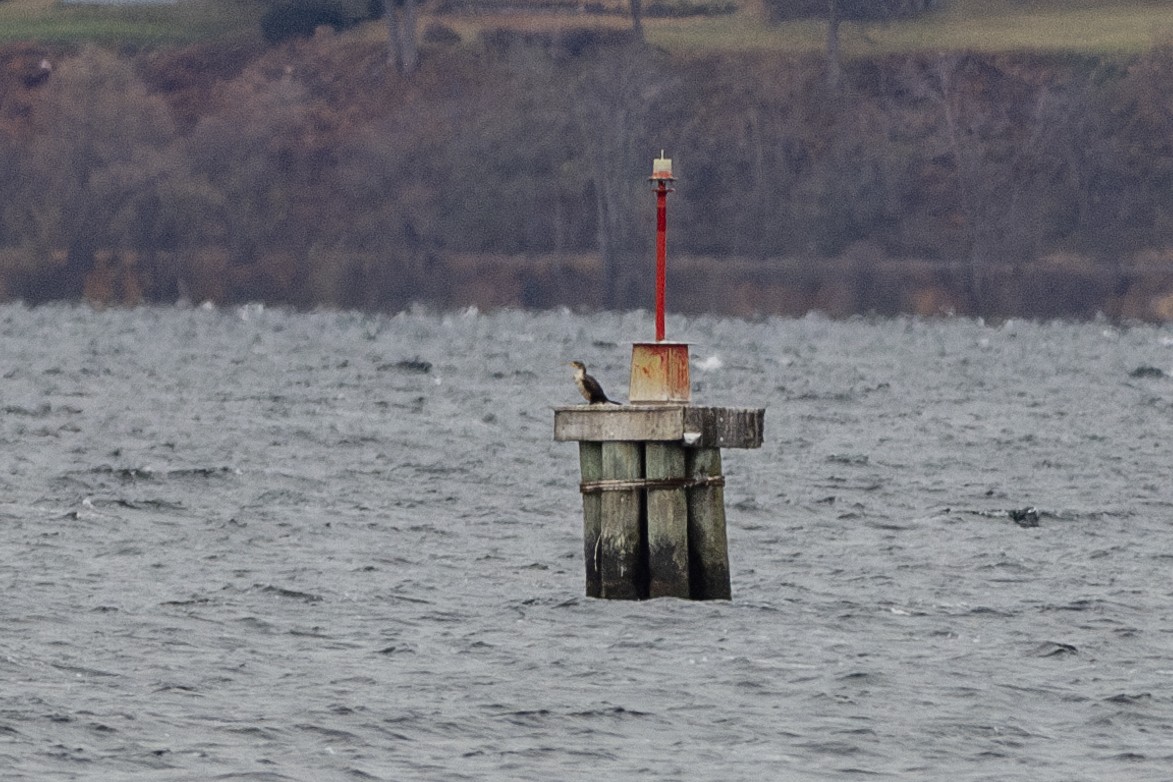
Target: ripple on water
255, 544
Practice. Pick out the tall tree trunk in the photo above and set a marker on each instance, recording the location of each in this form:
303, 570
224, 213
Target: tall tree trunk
637, 18
613, 114
966, 167
403, 51
833, 67
612, 207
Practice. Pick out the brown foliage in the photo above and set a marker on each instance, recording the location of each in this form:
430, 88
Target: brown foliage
312, 173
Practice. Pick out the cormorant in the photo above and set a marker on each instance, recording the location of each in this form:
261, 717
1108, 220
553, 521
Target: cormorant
590, 389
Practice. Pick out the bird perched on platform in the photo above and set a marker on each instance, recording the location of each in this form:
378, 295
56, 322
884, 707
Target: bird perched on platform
590, 389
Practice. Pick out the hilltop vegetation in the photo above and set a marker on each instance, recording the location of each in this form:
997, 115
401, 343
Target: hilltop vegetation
509, 169
680, 26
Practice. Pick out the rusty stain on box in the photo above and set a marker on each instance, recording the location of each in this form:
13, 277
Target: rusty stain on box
659, 373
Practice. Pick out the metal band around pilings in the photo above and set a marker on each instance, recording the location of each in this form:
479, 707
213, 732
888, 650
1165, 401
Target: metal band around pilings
593, 487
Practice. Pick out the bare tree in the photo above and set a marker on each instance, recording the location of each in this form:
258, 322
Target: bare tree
403, 48
833, 66
1007, 172
637, 18
95, 173
614, 112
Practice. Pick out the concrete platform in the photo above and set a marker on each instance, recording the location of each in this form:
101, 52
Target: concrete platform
693, 426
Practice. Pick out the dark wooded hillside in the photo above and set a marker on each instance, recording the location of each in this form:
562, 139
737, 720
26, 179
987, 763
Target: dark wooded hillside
514, 172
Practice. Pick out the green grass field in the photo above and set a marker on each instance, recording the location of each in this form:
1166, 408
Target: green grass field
1089, 26
177, 22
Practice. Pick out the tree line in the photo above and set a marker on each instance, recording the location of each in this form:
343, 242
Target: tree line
310, 173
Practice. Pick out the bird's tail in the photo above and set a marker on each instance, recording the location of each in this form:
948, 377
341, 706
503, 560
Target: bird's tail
613, 402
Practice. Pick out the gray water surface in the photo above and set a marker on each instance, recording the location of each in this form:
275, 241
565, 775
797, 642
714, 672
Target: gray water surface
248, 544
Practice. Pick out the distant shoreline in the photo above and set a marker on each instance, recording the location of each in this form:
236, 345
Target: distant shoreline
509, 171
861, 282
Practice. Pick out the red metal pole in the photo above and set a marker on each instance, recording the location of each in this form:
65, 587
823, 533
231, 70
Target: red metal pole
661, 255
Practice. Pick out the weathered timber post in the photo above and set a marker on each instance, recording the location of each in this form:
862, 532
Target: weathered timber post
620, 535
709, 560
590, 461
653, 495
667, 509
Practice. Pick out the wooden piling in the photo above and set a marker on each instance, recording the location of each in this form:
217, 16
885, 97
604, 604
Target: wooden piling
708, 547
667, 521
654, 497
590, 460
621, 537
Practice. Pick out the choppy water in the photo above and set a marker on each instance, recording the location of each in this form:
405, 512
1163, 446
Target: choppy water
258, 545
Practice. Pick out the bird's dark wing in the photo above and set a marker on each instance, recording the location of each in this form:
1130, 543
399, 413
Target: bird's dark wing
595, 393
